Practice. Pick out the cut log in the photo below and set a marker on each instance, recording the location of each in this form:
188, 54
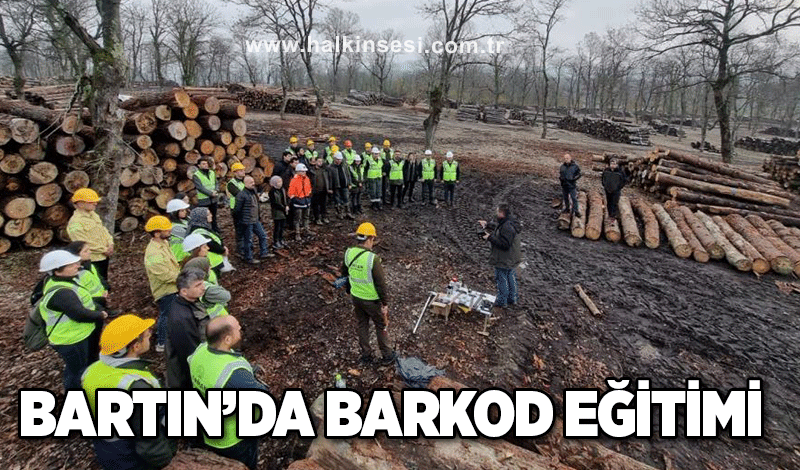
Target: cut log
129, 177
231, 149
18, 207
128, 224
169, 164
698, 252
207, 104
5, 245
147, 157
23, 131
595, 209
786, 234
744, 194
175, 130
162, 112
766, 231
31, 152
192, 157
563, 222
778, 261
219, 153
716, 167
683, 194
128, 157
176, 97
151, 175
163, 197
139, 141
241, 154
137, 206
206, 147
168, 149
170, 179
676, 240
255, 150
17, 227
578, 226
210, 123
48, 194
719, 210
759, 263
56, 215
148, 193
222, 137
188, 143
240, 141
13, 185
38, 237
11, 164
628, 221
231, 110
72, 123
140, 123
734, 183
45, 117
236, 126
5, 133
193, 128
184, 186
610, 226
249, 164
734, 257
708, 241
190, 111
69, 145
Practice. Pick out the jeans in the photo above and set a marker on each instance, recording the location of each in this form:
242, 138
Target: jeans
449, 192
570, 194
77, 357
506, 286
318, 205
612, 200
427, 189
247, 238
374, 188
164, 304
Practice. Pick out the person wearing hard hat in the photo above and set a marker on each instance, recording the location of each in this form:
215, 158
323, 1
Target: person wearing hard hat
162, 269
294, 146
329, 158
311, 151
396, 170
327, 152
367, 153
72, 320
234, 186
184, 322
216, 364
321, 186
196, 245
349, 153
200, 223
300, 199
428, 176
357, 185
367, 285
85, 225
450, 175
178, 214
340, 182
247, 214
122, 344
374, 169
387, 155
279, 205
205, 181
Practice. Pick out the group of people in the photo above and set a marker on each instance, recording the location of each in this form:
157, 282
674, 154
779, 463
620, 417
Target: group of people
613, 179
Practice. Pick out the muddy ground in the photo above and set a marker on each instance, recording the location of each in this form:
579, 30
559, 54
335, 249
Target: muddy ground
664, 318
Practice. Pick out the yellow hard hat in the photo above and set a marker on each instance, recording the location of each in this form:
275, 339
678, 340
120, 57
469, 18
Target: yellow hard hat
331, 139
121, 332
237, 166
334, 149
366, 230
158, 222
309, 142
368, 146
386, 143
293, 140
85, 195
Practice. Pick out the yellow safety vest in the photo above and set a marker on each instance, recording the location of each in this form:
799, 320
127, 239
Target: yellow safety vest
213, 310
101, 375
362, 286
428, 169
209, 182
449, 171
375, 168
239, 184
396, 170
62, 329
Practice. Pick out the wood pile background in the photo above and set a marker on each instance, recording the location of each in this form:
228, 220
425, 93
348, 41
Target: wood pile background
781, 132
371, 98
775, 146
606, 130
45, 156
707, 147
469, 112
784, 170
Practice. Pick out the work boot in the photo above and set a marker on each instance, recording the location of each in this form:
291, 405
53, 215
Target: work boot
318, 221
366, 359
325, 220
349, 214
390, 359
297, 231
338, 211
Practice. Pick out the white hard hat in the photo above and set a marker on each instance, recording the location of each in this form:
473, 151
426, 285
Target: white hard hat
449, 155
57, 259
428, 152
357, 158
338, 156
176, 205
194, 240
301, 167
376, 150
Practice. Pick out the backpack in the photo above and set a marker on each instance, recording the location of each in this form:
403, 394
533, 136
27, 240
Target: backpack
34, 333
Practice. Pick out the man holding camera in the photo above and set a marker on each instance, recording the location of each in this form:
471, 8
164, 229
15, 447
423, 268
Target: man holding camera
506, 254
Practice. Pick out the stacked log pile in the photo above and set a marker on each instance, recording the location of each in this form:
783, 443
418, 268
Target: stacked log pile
748, 243
469, 112
775, 146
606, 130
371, 98
707, 147
711, 186
784, 170
781, 132
495, 115
45, 156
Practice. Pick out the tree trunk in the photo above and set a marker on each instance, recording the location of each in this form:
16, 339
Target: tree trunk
702, 233
716, 167
629, 228
48, 195
176, 98
578, 228
786, 234
698, 252
778, 261
734, 257
679, 244
17, 227
18, 207
722, 190
760, 264
42, 173
766, 231
595, 210
610, 227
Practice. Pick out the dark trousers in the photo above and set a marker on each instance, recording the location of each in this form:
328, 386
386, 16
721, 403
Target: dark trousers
239, 231
319, 205
506, 280
277, 230
245, 451
408, 190
355, 201
570, 194
366, 311
164, 304
102, 268
247, 239
396, 189
384, 184
290, 217
427, 191
449, 192
612, 200
77, 357
214, 224
341, 196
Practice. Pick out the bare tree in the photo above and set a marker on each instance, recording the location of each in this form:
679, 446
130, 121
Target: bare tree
381, 59
134, 28
17, 19
66, 49
301, 16
159, 11
190, 25
241, 32
498, 62
338, 24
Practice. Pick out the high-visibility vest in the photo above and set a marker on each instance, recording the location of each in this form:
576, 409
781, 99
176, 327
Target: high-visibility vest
428, 169
62, 329
349, 155
210, 371
101, 376
214, 259
312, 155
358, 174
176, 240
328, 155
449, 170
212, 277
396, 170
89, 279
387, 154
209, 182
239, 184
213, 310
359, 272
375, 168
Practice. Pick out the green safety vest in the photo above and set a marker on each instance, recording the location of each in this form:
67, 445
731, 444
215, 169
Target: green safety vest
313, 154
89, 279
239, 184
358, 174
387, 154
212, 277
349, 155
101, 376
328, 155
210, 371
375, 168
209, 182
213, 310
176, 242
215, 259
359, 272
365, 156
396, 170
428, 169
64, 330
290, 149
449, 170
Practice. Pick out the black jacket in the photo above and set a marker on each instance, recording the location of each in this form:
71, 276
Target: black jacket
569, 175
183, 338
412, 171
278, 203
245, 211
320, 179
340, 176
614, 180
506, 246
279, 168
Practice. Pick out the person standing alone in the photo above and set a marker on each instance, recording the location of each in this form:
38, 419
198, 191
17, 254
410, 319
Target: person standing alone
614, 179
506, 254
569, 174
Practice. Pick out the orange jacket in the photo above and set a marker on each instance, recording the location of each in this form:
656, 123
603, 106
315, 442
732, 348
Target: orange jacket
300, 187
